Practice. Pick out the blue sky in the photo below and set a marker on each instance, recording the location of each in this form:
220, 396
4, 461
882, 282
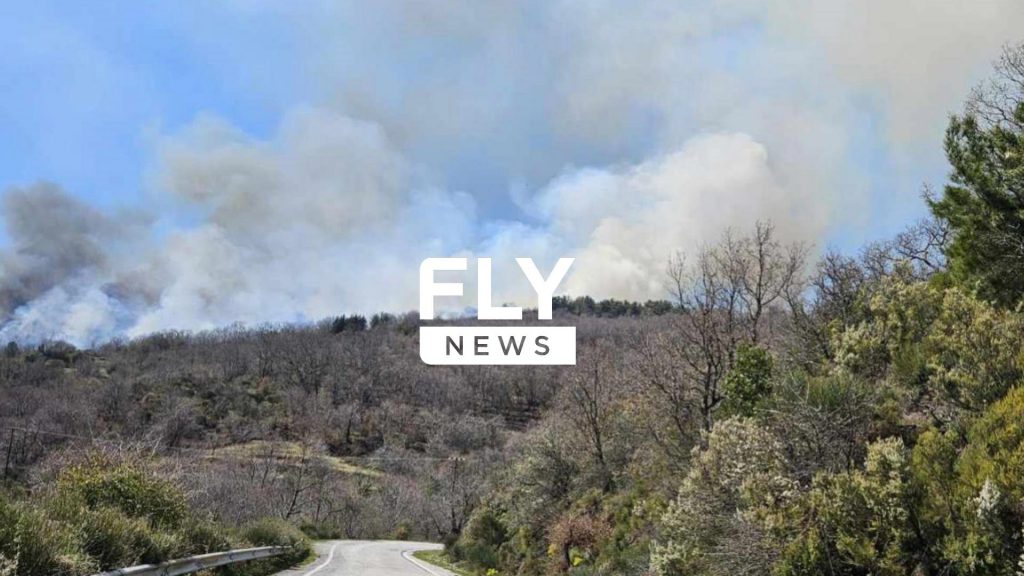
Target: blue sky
89, 84
555, 126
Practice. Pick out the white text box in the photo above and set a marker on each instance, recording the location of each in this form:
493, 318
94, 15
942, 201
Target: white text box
498, 345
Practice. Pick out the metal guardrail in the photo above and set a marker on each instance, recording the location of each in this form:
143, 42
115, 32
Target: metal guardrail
197, 563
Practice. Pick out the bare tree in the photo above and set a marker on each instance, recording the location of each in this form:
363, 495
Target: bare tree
453, 493
997, 101
301, 480
305, 359
590, 394
924, 244
723, 299
766, 271
668, 395
706, 334
835, 294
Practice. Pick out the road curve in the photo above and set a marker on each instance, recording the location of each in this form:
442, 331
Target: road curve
369, 558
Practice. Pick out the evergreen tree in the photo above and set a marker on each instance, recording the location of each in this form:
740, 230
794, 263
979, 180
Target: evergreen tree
984, 202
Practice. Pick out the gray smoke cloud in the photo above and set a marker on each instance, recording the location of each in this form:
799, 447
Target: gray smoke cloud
637, 129
53, 238
64, 273
329, 217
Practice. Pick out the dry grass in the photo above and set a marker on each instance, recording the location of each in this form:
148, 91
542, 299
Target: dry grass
285, 452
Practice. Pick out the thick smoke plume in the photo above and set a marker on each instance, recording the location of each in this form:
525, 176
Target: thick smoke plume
628, 131
330, 218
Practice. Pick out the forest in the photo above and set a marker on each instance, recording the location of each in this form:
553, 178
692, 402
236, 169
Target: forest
786, 410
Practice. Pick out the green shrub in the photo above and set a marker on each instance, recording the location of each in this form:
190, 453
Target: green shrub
975, 351
749, 381
859, 519
112, 538
160, 546
36, 545
481, 540
203, 537
125, 487
995, 450
983, 518
277, 532
102, 515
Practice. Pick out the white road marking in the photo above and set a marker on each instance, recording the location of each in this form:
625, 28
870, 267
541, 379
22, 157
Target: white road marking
330, 556
419, 564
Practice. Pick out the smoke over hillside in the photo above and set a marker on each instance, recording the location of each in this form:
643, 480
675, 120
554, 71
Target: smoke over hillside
455, 128
329, 217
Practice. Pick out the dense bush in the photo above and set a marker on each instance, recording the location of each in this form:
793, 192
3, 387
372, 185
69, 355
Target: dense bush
855, 522
102, 514
482, 540
277, 532
126, 487
749, 382
32, 543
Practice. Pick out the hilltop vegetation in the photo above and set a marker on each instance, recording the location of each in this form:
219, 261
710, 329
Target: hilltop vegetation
775, 415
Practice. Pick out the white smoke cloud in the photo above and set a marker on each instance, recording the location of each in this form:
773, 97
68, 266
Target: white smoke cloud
629, 130
328, 218
296, 241
299, 227
624, 223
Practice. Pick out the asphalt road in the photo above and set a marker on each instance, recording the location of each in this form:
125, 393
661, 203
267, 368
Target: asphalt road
369, 558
